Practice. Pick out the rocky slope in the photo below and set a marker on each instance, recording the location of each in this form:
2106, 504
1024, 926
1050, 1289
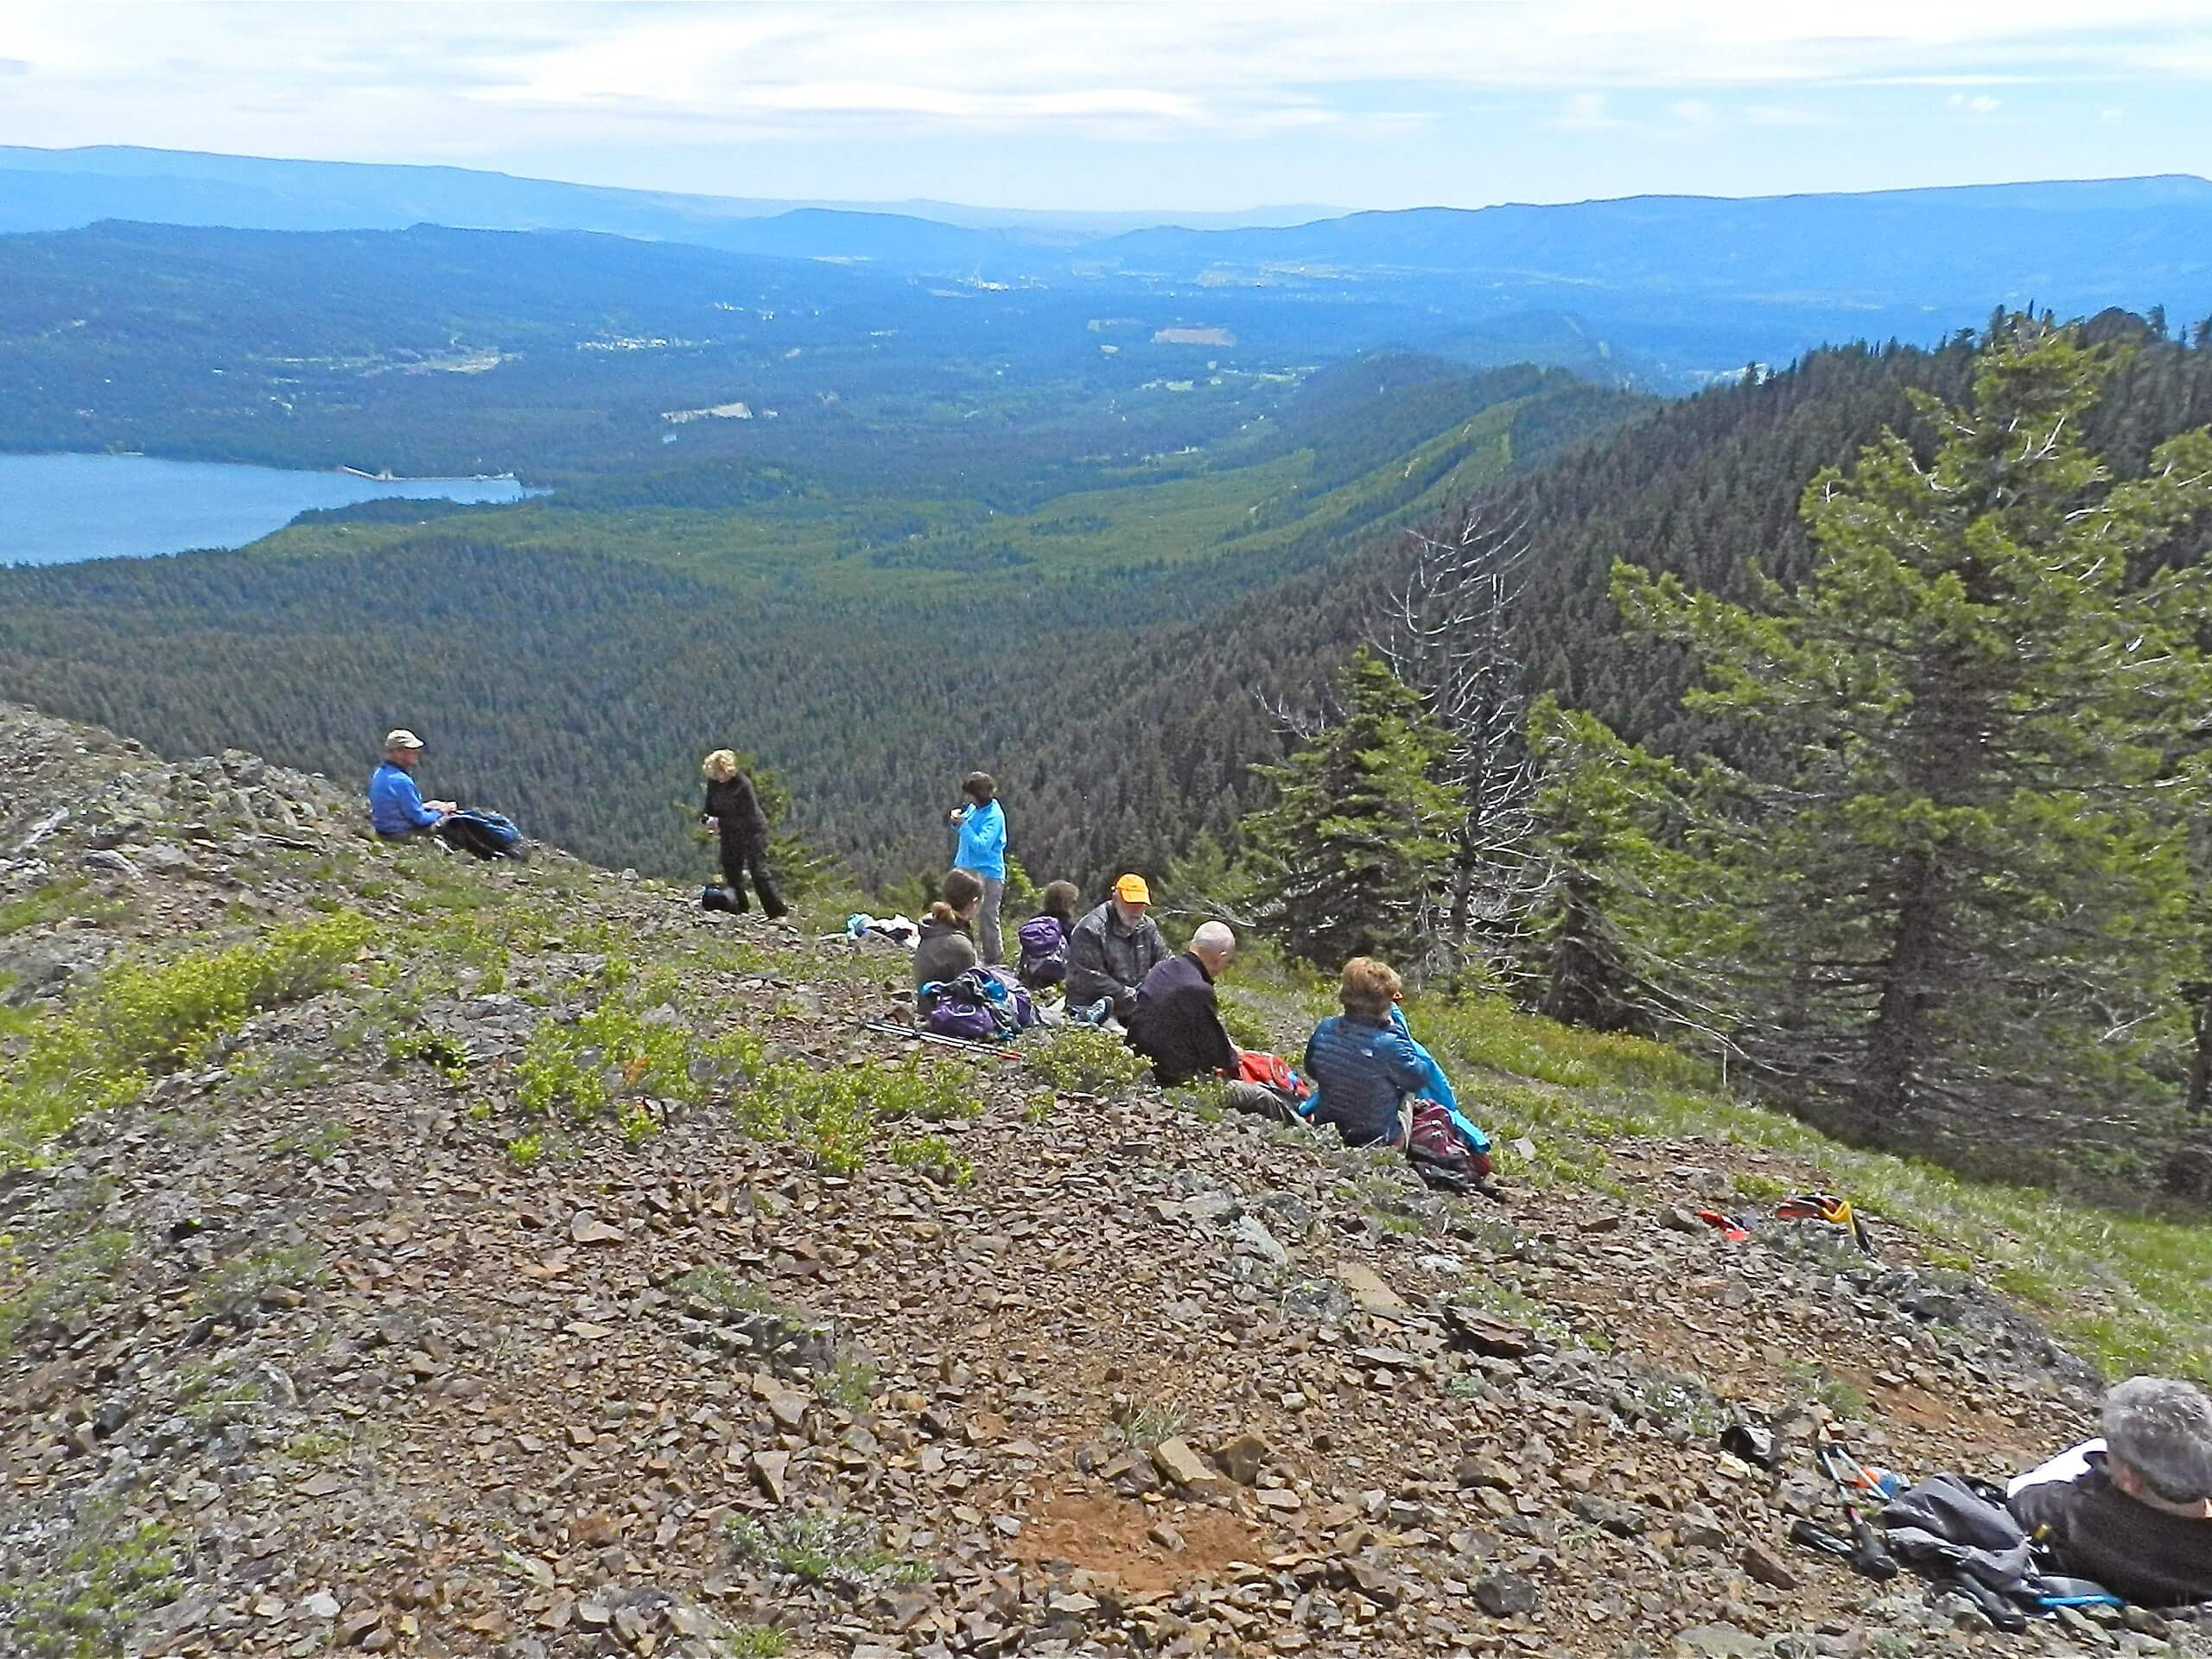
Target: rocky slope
567, 1271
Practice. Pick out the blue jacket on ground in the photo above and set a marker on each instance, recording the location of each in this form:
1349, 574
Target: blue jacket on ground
395, 803
1362, 1070
982, 841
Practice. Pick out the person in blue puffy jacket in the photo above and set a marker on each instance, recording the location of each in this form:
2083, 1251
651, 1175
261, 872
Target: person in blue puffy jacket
981, 822
1364, 1065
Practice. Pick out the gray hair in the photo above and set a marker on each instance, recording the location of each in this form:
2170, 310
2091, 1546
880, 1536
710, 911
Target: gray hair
2161, 1429
1213, 939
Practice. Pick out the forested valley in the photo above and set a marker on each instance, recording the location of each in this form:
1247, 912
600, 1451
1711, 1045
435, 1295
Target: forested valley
1548, 650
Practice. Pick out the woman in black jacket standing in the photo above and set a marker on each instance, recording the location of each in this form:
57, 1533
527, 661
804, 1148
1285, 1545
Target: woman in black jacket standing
733, 812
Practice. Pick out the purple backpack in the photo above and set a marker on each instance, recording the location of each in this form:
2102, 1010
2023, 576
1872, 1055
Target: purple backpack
953, 1016
1044, 959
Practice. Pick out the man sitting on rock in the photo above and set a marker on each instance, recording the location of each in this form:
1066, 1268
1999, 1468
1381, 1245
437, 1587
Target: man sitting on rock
1176, 1024
397, 809
2133, 1511
1112, 949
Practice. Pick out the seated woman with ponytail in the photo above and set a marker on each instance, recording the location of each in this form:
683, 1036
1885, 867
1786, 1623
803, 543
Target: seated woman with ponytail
947, 948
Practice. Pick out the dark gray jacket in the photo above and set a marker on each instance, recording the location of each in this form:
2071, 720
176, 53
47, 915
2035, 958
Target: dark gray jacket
1107, 960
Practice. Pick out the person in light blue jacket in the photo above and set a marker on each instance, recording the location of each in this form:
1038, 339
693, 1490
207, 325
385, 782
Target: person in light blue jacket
981, 823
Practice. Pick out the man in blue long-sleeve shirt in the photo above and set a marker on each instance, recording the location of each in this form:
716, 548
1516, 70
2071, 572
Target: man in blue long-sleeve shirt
397, 809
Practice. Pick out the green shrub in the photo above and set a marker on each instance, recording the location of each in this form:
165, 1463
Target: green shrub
1084, 1060
934, 1156
623, 1052
79, 1278
236, 1285
821, 1547
449, 1057
50, 903
832, 1113
850, 1383
722, 1290
107, 1574
141, 1018
752, 1642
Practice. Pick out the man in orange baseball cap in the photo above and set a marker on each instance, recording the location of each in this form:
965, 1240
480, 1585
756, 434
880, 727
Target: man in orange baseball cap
1111, 951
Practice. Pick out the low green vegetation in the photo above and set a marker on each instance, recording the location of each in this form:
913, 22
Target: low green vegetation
64, 896
751, 1641
237, 1284
821, 1547
2130, 1291
74, 1281
623, 1052
850, 1383
831, 1113
934, 1156
108, 1573
724, 1292
145, 1017
1084, 1060
1145, 1423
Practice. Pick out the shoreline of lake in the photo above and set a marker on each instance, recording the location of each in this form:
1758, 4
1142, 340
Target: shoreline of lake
65, 508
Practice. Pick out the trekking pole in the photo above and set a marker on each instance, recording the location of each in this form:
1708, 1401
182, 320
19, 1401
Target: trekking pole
1868, 1555
992, 1049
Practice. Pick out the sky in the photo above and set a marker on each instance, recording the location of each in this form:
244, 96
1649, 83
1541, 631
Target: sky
1197, 105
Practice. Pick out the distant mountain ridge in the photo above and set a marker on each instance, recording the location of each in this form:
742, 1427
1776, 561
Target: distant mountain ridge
257, 193
1687, 288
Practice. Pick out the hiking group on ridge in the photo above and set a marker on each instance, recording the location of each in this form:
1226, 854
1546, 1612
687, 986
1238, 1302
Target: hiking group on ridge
2126, 1516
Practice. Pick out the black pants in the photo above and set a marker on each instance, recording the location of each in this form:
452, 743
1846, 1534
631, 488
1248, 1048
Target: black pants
742, 859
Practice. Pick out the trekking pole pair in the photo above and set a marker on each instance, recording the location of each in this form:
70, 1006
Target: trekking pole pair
1853, 1479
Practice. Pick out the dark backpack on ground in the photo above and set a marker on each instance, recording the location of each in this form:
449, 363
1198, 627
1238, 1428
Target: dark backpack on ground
1044, 959
485, 835
1441, 1155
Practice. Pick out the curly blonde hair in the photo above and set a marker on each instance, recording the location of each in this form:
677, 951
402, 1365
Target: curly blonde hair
720, 766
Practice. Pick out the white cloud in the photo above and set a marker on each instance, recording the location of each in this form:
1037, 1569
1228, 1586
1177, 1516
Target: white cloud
1584, 112
610, 90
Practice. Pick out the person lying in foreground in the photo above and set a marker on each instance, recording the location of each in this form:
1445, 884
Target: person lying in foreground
2132, 1510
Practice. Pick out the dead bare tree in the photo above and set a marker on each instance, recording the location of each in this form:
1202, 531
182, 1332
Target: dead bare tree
1448, 632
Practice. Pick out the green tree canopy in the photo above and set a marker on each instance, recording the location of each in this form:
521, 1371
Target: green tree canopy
1345, 858
1967, 877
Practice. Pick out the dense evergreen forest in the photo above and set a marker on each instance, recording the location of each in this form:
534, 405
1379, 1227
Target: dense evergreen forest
571, 659
1112, 675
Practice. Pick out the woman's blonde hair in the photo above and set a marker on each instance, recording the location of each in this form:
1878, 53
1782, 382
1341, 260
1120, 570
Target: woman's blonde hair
1369, 988
720, 766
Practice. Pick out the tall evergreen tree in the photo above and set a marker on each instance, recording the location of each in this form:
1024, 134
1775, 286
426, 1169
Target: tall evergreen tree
1969, 880
1346, 857
1626, 928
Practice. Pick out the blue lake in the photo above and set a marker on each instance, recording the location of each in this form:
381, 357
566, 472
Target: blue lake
58, 509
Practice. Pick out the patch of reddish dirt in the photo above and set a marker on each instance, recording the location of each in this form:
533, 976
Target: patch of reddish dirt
1107, 1536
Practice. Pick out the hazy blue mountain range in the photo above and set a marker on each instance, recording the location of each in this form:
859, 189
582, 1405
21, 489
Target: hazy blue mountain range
61, 189
1670, 291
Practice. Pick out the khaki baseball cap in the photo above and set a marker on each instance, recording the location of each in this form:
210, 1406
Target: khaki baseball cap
400, 738
1131, 890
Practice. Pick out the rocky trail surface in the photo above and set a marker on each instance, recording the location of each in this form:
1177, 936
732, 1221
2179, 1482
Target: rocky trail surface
572, 1274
